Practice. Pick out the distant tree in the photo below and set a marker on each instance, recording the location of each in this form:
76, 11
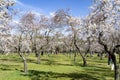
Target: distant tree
38, 29
63, 18
69, 46
76, 25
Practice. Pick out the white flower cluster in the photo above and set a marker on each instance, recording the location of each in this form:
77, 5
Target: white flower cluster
4, 10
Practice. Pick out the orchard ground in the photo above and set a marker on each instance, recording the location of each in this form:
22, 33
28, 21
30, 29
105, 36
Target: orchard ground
54, 67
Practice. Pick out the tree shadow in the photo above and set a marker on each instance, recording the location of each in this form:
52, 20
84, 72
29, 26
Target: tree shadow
47, 61
31, 61
53, 62
8, 67
64, 64
42, 75
96, 68
5, 69
12, 60
102, 72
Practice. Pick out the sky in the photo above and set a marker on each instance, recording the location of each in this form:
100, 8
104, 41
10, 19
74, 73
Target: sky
47, 7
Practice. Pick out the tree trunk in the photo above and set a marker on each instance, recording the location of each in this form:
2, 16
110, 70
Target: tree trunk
119, 66
84, 61
74, 58
117, 72
25, 65
101, 56
24, 62
83, 57
38, 58
35, 51
116, 67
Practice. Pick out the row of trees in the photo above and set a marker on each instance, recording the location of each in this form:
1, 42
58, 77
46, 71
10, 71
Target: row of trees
62, 32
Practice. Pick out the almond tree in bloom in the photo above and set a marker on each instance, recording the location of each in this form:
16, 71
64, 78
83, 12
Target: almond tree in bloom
38, 30
63, 19
21, 43
105, 20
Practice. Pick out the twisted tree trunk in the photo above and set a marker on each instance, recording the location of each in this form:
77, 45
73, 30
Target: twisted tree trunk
83, 57
111, 52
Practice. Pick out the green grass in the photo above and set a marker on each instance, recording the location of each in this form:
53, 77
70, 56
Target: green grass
54, 67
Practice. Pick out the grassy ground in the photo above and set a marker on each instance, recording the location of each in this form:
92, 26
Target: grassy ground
54, 67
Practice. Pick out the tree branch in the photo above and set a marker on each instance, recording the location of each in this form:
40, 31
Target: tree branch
102, 43
117, 46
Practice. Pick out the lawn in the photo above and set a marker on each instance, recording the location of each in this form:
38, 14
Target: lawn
54, 67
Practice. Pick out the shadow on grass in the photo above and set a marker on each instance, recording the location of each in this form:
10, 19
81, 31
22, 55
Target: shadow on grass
41, 75
96, 68
31, 61
12, 60
5, 69
53, 62
102, 72
8, 67
47, 61
64, 64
